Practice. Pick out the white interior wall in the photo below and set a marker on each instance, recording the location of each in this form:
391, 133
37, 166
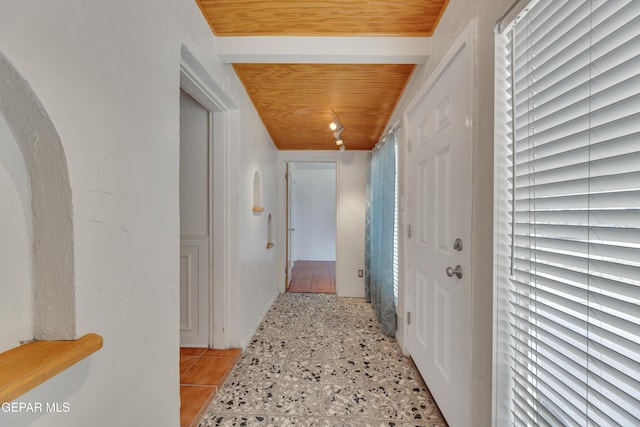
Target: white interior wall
255, 287
314, 214
351, 185
16, 312
457, 15
112, 93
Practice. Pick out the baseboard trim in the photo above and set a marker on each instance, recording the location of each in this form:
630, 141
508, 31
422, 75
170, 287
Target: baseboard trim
401, 342
247, 339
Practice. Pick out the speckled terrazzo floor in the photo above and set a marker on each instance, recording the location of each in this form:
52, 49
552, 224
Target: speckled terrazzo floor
319, 360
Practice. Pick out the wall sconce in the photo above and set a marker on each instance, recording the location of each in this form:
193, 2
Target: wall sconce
337, 128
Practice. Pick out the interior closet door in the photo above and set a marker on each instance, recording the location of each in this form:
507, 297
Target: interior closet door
195, 137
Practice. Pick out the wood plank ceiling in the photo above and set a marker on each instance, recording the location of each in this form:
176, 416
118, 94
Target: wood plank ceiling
295, 100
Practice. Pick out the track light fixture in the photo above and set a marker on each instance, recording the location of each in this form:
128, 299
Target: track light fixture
337, 128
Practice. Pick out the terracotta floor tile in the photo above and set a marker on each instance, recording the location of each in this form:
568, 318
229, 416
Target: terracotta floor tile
295, 289
313, 276
191, 351
321, 282
186, 362
208, 371
299, 286
231, 352
300, 265
322, 289
193, 402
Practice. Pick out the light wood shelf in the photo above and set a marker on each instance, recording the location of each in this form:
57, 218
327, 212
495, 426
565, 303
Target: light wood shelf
24, 368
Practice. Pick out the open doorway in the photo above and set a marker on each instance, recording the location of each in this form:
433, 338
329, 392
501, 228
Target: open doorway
311, 227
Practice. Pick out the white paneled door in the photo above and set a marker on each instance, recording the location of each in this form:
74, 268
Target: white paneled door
441, 144
195, 242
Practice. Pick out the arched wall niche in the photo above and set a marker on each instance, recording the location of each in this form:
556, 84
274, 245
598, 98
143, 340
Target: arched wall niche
257, 193
52, 221
269, 233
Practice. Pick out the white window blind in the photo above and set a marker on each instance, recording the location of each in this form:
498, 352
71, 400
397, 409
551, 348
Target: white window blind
568, 278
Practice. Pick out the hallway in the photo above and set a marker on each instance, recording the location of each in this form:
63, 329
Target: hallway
319, 360
318, 277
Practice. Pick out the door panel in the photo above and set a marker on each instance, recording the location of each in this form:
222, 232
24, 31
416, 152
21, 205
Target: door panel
194, 305
442, 328
439, 341
442, 187
423, 198
423, 317
195, 137
188, 274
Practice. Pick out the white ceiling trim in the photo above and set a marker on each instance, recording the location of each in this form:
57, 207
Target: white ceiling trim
324, 50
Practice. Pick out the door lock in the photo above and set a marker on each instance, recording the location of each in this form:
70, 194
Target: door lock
454, 271
457, 245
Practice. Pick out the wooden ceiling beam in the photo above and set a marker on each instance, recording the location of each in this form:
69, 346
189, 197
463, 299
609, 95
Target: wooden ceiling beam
323, 50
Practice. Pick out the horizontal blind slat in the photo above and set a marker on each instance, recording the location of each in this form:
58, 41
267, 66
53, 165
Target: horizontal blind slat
628, 181
594, 201
610, 408
603, 145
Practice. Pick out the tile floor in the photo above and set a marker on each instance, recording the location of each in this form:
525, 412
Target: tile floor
313, 276
320, 360
202, 373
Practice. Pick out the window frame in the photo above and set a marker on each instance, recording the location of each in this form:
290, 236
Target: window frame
504, 212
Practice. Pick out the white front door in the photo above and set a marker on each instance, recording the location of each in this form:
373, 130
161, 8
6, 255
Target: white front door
439, 333
195, 136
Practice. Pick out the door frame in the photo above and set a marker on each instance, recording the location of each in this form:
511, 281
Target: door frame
287, 214
284, 158
199, 84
